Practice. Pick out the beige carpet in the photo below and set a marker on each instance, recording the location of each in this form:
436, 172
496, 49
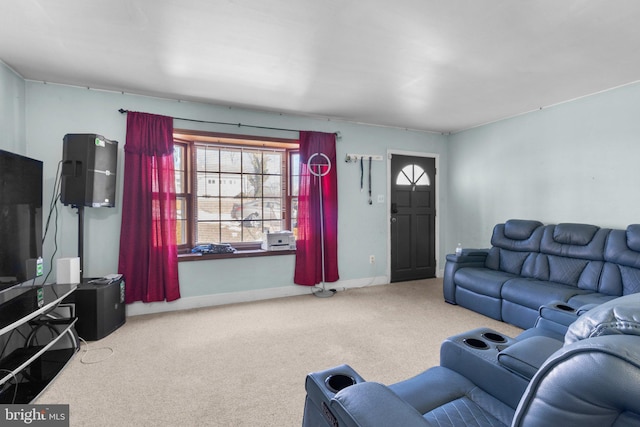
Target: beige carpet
245, 364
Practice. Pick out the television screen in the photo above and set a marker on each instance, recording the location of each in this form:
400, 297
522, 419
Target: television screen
20, 219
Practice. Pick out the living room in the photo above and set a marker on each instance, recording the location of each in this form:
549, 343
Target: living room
574, 161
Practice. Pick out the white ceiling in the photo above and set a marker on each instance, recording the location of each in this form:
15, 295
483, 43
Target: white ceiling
438, 65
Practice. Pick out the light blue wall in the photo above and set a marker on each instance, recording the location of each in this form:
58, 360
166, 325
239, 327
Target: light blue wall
574, 162
12, 113
55, 110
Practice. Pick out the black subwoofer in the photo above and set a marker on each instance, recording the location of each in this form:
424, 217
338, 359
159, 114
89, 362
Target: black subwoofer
89, 170
100, 309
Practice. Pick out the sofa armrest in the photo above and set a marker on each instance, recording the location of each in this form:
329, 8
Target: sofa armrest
373, 404
556, 317
468, 258
469, 255
584, 308
526, 357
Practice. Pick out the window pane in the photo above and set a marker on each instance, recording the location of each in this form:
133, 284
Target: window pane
272, 163
272, 209
230, 185
229, 160
251, 210
251, 161
423, 179
294, 216
412, 175
208, 208
207, 159
208, 184
252, 231
230, 208
178, 154
252, 185
181, 221
294, 174
179, 167
272, 226
230, 232
181, 232
208, 232
272, 186
404, 178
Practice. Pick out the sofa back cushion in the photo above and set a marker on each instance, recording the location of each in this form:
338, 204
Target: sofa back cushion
518, 235
570, 254
574, 241
513, 243
621, 274
506, 260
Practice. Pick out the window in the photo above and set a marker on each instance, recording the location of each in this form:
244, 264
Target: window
412, 175
233, 189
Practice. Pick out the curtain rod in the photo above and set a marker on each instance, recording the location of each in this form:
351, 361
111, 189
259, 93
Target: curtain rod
123, 111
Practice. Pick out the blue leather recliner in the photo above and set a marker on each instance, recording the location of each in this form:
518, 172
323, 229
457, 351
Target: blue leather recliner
591, 378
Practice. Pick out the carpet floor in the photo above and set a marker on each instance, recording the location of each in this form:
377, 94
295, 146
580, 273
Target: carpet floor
245, 364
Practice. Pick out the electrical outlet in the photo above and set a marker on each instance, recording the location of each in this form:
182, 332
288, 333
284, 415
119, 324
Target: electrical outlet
372, 259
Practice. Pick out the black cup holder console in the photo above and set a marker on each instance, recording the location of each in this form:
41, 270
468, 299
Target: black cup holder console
337, 382
494, 337
483, 339
476, 343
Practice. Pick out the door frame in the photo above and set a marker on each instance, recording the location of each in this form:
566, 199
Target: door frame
390, 153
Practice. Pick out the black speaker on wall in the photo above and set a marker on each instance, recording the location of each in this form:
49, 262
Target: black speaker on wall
89, 170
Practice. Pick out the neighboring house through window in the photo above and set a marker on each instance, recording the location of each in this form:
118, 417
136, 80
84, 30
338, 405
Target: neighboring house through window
233, 189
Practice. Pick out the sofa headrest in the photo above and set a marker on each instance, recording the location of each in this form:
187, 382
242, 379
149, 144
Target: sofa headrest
520, 229
633, 237
574, 234
620, 316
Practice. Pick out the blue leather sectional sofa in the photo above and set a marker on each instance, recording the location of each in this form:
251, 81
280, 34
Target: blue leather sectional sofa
587, 376
531, 265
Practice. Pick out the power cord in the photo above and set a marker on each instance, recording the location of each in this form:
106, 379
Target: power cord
53, 208
87, 350
15, 390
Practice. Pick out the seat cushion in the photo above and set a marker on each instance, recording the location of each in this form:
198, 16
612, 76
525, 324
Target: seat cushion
482, 281
463, 412
447, 398
535, 293
590, 298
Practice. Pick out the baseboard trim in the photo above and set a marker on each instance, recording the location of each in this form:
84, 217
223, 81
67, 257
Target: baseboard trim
140, 308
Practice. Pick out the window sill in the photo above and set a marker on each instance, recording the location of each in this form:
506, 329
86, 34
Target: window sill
238, 254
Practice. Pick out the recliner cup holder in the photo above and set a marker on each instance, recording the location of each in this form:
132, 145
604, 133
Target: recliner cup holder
565, 307
337, 382
492, 336
476, 343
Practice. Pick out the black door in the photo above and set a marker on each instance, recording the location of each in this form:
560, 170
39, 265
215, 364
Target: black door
413, 218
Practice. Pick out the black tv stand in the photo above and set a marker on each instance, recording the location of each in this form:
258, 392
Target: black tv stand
36, 342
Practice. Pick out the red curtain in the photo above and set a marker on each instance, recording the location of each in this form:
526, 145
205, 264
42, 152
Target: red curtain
308, 269
148, 253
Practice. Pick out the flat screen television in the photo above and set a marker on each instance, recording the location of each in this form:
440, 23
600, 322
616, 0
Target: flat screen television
20, 219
